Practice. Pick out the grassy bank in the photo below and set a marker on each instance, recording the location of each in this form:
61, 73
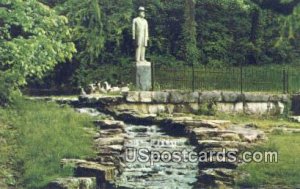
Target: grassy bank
37, 136
285, 173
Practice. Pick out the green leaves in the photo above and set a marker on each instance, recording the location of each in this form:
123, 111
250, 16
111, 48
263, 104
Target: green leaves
33, 40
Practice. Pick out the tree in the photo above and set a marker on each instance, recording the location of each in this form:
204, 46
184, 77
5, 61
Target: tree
285, 7
33, 39
98, 29
191, 52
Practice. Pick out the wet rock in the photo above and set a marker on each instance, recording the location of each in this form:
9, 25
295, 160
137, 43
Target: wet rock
144, 175
73, 183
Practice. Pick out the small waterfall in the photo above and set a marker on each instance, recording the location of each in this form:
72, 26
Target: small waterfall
159, 175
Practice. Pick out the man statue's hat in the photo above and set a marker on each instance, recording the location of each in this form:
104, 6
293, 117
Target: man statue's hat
141, 9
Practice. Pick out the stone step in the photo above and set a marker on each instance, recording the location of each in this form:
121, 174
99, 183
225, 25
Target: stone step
83, 168
212, 175
109, 141
217, 164
206, 134
110, 132
223, 144
73, 182
110, 124
206, 123
248, 134
92, 169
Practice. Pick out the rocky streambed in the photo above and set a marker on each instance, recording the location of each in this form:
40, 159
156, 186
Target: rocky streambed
146, 174
118, 144
127, 129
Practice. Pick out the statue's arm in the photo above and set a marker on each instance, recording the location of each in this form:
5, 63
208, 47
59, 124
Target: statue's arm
133, 29
147, 32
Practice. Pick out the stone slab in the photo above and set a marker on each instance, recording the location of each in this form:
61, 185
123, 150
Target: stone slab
143, 76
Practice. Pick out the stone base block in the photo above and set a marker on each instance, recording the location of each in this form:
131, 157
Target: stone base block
143, 76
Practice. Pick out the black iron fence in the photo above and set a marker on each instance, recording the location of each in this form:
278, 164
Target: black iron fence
278, 79
243, 78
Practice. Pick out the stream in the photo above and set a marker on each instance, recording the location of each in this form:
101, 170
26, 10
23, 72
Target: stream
160, 174
163, 175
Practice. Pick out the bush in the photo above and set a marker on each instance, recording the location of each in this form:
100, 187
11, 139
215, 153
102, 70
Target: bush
207, 108
7, 88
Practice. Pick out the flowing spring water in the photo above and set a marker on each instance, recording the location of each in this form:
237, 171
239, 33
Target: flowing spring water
163, 174
159, 175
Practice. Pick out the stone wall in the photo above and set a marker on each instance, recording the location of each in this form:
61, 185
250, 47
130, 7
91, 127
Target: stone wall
193, 102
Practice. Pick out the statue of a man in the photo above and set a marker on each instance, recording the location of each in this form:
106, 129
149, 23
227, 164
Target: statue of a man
140, 35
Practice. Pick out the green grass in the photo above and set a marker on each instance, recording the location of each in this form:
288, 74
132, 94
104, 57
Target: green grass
44, 133
284, 173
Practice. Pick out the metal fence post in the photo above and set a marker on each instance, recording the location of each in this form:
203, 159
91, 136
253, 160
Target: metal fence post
284, 80
152, 76
241, 78
287, 81
193, 77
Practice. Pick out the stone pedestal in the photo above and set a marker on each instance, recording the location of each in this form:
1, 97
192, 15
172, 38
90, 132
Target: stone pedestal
143, 76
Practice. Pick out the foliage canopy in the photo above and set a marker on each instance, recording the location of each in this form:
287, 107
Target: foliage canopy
33, 39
